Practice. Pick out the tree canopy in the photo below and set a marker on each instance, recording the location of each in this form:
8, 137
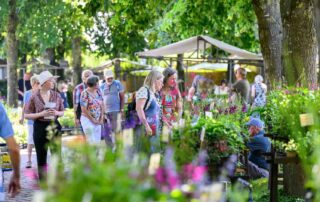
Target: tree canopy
121, 28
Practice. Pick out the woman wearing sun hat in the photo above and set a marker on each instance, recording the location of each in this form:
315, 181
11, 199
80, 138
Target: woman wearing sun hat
26, 97
44, 107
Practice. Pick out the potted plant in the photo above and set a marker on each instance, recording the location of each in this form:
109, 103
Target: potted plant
290, 148
222, 139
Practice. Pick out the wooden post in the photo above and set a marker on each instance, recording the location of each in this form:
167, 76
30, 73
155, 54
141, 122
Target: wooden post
273, 177
181, 75
293, 179
117, 68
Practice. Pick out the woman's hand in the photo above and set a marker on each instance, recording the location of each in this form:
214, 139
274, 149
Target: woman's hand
101, 122
148, 130
54, 112
45, 113
94, 121
167, 123
21, 121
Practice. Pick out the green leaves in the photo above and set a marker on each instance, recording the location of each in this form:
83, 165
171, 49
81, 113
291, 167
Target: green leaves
231, 21
120, 28
218, 132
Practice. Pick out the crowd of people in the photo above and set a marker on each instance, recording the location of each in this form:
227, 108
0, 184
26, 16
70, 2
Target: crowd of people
99, 108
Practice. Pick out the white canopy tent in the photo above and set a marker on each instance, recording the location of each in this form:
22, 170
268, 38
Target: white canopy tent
209, 66
197, 43
213, 67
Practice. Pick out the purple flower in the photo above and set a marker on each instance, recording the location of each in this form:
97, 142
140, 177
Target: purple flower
202, 158
160, 175
188, 171
229, 166
233, 109
244, 108
169, 160
166, 179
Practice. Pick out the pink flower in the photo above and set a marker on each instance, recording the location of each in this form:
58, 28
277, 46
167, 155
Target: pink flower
31, 174
173, 180
199, 173
188, 171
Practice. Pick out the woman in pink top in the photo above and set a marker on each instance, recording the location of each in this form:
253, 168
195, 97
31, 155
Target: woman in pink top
171, 97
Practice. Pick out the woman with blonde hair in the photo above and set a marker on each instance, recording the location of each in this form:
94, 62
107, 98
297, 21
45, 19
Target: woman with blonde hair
26, 98
148, 108
258, 92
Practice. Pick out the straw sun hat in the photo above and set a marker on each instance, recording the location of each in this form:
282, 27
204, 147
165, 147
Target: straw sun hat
45, 76
108, 73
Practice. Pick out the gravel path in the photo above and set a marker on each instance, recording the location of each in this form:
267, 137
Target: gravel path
28, 185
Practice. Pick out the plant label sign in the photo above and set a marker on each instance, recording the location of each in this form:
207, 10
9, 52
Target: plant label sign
182, 123
306, 119
128, 137
203, 132
208, 114
154, 163
165, 134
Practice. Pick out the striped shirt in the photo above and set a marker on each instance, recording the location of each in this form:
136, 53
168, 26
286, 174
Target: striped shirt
77, 93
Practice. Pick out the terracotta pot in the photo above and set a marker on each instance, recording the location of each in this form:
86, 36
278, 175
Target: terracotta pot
291, 154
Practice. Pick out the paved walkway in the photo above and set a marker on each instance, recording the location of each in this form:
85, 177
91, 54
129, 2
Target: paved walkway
27, 183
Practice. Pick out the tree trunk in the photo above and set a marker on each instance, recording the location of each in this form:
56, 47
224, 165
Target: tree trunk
50, 55
23, 61
61, 48
181, 75
76, 60
12, 54
60, 51
270, 34
317, 24
299, 50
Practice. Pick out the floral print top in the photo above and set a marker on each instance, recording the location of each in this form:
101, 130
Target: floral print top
169, 105
260, 96
92, 102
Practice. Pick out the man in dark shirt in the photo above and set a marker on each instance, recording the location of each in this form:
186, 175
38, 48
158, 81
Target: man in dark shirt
24, 85
242, 86
258, 144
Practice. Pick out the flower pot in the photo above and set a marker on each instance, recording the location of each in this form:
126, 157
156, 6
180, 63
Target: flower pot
291, 154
